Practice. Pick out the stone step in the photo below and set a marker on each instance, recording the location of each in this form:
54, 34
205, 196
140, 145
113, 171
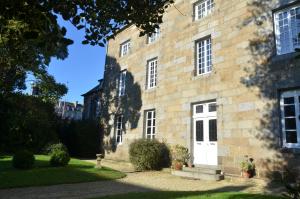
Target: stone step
202, 170
198, 175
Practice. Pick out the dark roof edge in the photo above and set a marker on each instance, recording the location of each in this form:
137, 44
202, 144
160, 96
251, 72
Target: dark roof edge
119, 31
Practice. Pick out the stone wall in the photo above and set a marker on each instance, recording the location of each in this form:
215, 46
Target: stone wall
245, 80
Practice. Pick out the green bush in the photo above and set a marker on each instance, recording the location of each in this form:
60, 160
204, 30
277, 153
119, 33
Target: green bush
55, 147
23, 160
59, 158
147, 154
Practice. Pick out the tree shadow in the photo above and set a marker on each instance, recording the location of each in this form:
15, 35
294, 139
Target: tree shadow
268, 75
112, 104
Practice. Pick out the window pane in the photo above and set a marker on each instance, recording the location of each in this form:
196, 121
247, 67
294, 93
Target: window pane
289, 111
199, 130
291, 136
199, 109
290, 123
212, 107
213, 130
289, 100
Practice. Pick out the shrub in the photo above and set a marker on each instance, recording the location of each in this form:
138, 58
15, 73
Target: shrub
59, 158
147, 154
23, 160
55, 147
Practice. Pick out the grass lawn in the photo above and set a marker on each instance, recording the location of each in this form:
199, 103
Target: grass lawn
190, 195
42, 174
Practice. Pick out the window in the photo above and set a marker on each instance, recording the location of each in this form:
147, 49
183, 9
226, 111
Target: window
122, 83
290, 115
150, 124
204, 57
151, 73
154, 36
287, 29
119, 129
125, 48
203, 8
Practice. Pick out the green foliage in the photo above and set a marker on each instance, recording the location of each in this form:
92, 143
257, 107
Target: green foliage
148, 154
26, 122
23, 160
247, 165
31, 36
59, 158
82, 138
180, 154
55, 147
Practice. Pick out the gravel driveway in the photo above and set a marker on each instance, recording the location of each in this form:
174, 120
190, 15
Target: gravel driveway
134, 182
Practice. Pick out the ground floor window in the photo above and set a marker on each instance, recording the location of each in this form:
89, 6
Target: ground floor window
119, 129
150, 124
290, 118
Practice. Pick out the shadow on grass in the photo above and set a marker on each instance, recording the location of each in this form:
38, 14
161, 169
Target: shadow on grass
43, 174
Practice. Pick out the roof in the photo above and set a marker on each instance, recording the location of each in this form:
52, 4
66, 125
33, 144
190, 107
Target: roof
96, 89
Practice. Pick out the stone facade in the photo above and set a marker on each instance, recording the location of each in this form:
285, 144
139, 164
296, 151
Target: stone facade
246, 81
91, 100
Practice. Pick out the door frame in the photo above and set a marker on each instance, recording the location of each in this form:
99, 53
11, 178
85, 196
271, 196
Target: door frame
196, 116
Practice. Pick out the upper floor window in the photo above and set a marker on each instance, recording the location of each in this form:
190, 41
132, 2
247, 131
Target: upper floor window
119, 129
151, 73
125, 48
150, 124
204, 57
154, 36
203, 8
290, 113
122, 83
287, 29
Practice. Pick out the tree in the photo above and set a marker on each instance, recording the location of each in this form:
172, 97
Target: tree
30, 34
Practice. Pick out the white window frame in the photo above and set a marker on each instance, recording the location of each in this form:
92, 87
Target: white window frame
154, 36
296, 95
152, 73
122, 83
152, 127
119, 129
125, 48
288, 44
204, 57
207, 7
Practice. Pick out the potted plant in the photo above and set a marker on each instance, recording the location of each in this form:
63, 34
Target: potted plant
248, 167
180, 157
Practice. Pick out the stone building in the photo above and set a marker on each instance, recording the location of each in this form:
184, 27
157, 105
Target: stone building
69, 110
219, 77
92, 102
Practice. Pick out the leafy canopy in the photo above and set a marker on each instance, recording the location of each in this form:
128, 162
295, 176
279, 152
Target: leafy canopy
30, 34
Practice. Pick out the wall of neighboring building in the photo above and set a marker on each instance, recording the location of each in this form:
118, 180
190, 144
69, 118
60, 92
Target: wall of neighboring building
245, 85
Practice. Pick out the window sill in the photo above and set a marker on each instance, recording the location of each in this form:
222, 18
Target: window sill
202, 76
149, 90
284, 57
294, 150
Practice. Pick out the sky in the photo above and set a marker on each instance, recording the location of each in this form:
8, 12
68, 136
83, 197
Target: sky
82, 69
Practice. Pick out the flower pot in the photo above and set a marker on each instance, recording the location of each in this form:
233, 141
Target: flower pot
248, 174
178, 166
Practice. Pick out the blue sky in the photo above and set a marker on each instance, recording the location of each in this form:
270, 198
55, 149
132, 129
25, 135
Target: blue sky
83, 67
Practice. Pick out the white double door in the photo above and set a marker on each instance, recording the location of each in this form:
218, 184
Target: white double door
205, 134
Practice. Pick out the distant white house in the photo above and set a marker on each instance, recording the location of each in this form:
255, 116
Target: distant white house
69, 110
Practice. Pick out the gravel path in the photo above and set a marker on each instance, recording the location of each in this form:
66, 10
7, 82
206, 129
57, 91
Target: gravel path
134, 182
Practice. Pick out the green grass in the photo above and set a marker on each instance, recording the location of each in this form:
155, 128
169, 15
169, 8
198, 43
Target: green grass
42, 174
189, 195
